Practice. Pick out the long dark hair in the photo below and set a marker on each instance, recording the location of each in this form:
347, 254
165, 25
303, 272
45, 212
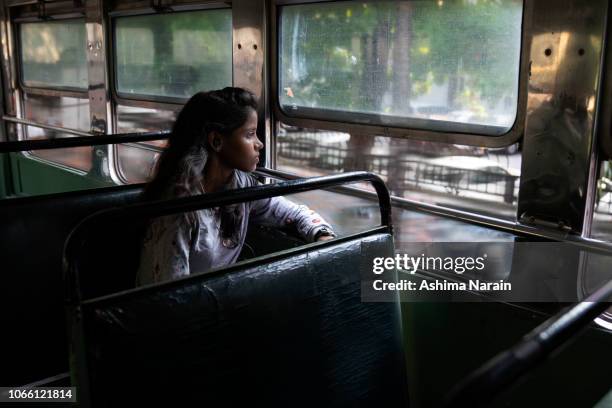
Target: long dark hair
180, 168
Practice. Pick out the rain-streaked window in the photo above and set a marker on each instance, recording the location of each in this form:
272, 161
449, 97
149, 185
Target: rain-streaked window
439, 65
53, 54
173, 55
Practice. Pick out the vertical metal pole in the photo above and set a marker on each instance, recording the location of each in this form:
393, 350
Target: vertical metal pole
249, 64
99, 100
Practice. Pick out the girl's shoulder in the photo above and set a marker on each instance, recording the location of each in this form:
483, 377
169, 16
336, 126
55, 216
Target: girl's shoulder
244, 179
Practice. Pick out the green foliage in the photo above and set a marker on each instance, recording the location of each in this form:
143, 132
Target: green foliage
330, 61
174, 54
53, 53
345, 55
475, 40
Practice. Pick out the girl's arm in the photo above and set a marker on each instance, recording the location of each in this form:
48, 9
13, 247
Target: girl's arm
280, 212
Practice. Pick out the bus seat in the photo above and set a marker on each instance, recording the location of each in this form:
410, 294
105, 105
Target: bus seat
104, 275
286, 328
33, 233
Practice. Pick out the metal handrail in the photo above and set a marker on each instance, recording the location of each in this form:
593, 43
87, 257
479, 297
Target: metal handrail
481, 220
505, 369
78, 236
82, 138
62, 129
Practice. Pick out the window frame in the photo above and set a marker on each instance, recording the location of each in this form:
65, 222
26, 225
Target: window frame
25, 132
19, 12
465, 136
144, 100
45, 90
143, 8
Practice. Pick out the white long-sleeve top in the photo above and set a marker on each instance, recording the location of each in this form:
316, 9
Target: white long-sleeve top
176, 246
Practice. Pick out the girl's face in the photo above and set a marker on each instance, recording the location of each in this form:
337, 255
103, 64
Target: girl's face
241, 149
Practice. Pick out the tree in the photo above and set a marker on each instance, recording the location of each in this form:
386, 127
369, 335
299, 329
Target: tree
333, 55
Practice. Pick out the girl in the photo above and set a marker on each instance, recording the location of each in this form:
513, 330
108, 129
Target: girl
213, 147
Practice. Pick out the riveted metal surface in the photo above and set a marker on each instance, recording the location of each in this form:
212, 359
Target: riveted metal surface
9, 79
249, 47
96, 65
6, 71
565, 57
99, 101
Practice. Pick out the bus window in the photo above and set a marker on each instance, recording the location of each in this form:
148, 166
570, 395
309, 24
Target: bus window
457, 176
53, 54
602, 213
136, 162
173, 55
59, 111
436, 65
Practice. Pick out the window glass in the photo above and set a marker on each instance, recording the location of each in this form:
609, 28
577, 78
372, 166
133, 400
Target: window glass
601, 227
59, 111
174, 55
136, 165
53, 54
136, 162
440, 65
482, 180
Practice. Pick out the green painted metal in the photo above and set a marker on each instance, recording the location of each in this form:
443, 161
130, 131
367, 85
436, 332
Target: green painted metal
4, 176
34, 177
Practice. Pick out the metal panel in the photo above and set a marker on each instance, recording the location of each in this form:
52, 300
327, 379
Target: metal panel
9, 80
8, 62
44, 10
147, 6
558, 152
249, 42
99, 101
54, 92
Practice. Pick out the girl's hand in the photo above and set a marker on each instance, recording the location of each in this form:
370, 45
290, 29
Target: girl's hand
325, 237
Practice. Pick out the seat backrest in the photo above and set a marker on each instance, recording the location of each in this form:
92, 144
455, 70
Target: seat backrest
285, 329
32, 232
110, 256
